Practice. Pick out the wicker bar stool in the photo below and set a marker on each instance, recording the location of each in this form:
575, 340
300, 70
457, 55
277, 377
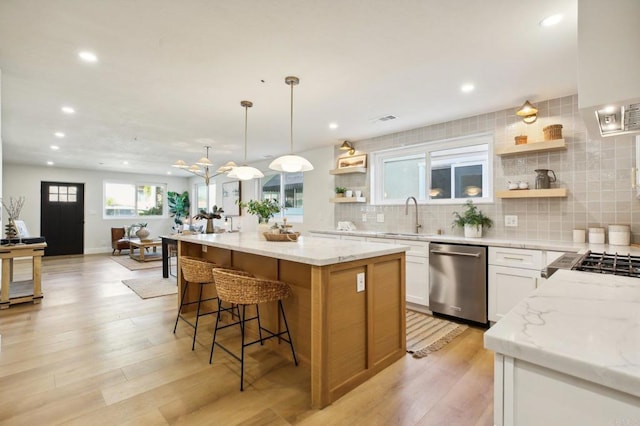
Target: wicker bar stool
243, 290
195, 271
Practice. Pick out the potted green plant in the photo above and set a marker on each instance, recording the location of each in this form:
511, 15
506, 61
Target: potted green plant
340, 190
178, 207
264, 209
215, 213
471, 220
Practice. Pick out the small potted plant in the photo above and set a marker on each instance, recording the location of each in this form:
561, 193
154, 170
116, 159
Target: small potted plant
340, 190
142, 232
215, 213
472, 220
264, 209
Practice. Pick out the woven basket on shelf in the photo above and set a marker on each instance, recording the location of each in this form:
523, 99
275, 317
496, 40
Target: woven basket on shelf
243, 290
552, 132
281, 237
521, 140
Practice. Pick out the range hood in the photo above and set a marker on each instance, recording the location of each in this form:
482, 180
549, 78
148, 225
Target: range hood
608, 66
618, 119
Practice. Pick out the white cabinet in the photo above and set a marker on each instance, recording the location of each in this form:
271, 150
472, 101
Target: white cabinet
416, 269
508, 286
513, 274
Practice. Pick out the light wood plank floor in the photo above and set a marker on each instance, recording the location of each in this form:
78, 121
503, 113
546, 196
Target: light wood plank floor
95, 353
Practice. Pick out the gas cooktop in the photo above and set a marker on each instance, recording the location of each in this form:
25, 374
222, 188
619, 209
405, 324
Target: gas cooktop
608, 263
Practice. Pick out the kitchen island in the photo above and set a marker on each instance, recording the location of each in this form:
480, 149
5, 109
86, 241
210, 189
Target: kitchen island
570, 353
343, 333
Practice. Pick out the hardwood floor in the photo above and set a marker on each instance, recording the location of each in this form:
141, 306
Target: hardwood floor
95, 353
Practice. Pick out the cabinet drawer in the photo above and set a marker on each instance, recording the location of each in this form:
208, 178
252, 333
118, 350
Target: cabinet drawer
516, 258
418, 248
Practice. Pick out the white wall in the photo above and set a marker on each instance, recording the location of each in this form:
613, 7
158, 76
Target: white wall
22, 180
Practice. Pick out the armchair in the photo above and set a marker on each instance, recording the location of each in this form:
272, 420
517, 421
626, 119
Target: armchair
118, 240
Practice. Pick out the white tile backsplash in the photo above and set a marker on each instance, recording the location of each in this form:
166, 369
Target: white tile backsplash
596, 172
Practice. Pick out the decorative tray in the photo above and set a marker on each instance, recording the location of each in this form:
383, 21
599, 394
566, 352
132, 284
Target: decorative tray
281, 237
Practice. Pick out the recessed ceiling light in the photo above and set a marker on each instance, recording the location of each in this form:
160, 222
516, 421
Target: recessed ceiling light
333, 125
88, 56
551, 20
49, 163
168, 173
59, 135
55, 147
467, 87
68, 110
125, 162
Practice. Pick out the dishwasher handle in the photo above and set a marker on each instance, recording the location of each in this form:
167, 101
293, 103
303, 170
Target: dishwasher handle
455, 253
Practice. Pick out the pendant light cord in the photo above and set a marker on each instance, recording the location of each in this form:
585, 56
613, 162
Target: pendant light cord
291, 84
246, 109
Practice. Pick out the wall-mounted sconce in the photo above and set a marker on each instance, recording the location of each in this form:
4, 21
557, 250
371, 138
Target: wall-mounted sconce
346, 146
528, 112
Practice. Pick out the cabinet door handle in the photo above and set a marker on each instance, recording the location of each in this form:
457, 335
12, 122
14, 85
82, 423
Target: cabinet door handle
513, 258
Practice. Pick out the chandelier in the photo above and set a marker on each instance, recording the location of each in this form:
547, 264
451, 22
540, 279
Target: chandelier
291, 163
201, 167
245, 172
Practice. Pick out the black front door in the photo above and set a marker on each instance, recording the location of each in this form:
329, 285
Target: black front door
62, 217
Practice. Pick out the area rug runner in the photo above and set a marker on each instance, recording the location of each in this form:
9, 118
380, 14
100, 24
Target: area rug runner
426, 333
134, 265
147, 288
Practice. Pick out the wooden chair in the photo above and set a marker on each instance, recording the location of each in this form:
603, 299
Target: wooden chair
242, 289
118, 240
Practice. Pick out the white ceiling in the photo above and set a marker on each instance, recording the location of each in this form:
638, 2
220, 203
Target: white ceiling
171, 74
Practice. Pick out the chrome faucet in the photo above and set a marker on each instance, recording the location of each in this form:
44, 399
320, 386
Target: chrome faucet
406, 212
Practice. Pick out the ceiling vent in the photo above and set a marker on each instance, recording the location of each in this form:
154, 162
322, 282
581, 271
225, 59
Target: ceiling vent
384, 118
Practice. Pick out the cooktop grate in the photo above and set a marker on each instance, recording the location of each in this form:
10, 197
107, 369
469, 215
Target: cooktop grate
608, 263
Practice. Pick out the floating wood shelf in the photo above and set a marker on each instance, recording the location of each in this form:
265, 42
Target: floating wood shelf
348, 170
349, 200
532, 193
530, 148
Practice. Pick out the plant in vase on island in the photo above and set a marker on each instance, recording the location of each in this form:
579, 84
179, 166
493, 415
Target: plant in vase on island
215, 213
471, 220
264, 209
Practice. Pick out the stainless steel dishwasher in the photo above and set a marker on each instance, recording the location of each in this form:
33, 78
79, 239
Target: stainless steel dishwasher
458, 281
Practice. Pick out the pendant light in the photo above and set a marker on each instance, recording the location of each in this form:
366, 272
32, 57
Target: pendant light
291, 163
245, 172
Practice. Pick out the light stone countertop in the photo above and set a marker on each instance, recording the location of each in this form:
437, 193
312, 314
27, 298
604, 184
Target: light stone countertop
582, 324
565, 246
308, 250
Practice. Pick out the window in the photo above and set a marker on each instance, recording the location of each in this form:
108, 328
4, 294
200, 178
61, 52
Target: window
205, 197
438, 172
134, 200
63, 194
286, 188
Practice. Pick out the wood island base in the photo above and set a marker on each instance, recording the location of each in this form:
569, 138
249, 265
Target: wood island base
343, 335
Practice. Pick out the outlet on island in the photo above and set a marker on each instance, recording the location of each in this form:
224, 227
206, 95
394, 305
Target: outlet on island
380, 218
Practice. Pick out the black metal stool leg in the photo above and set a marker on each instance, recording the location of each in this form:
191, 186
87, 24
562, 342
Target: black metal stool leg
259, 325
284, 317
242, 354
215, 330
184, 292
195, 329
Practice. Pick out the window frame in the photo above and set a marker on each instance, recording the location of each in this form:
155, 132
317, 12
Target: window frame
212, 189
165, 207
378, 158
298, 218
